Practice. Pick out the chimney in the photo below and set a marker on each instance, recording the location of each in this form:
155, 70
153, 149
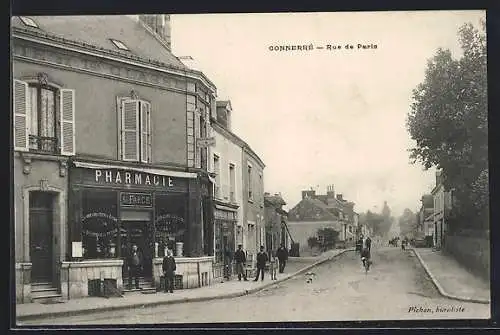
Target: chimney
339, 197
308, 194
160, 24
330, 191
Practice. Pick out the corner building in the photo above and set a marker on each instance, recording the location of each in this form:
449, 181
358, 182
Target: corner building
106, 124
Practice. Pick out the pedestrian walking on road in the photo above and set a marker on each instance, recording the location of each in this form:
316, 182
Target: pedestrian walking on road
240, 259
134, 264
169, 268
273, 264
282, 255
261, 263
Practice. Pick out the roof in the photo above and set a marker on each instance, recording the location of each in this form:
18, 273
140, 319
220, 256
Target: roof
223, 103
306, 211
99, 29
275, 200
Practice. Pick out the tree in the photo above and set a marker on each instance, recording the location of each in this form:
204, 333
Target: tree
312, 242
327, 238
448, 121
408, 223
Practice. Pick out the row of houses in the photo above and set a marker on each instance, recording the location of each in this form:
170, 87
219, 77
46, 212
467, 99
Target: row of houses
117, 142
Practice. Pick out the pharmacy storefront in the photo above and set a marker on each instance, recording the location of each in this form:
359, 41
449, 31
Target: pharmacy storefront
113, 208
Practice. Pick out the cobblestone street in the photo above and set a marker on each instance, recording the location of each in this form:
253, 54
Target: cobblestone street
395, 288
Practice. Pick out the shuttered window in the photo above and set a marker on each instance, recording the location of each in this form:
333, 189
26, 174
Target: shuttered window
67, 122
40, 122
21, 116
135, 144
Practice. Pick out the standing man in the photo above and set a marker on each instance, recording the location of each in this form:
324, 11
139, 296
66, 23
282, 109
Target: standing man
241, 259
261, 263
169, 268
282, 254
134, 262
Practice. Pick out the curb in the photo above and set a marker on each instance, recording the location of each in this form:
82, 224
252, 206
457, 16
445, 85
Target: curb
176, 301
440, 288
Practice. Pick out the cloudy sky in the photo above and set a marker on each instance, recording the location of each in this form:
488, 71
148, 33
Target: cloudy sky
324, 116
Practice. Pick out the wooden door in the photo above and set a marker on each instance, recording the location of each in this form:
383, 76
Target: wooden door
40, 221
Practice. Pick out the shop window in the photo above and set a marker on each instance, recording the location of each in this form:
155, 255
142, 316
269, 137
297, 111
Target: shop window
135, 130
44, 118
170, 223
100, 226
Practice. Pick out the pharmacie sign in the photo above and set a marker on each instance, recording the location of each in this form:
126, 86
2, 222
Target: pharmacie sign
128, 179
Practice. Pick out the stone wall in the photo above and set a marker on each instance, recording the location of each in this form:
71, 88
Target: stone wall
75, 276
195, 271
23, 283
471, 250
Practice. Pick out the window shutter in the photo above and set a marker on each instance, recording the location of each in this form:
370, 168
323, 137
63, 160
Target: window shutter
130, 130
145, 131
21, 115
67, 112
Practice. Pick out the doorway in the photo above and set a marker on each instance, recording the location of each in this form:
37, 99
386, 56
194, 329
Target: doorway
137, 230
40, 222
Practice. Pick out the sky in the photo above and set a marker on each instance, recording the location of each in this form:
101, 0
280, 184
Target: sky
325, 117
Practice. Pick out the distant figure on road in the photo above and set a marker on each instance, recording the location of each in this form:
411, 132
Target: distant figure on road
134, 264
359, 244
282, 254
240, 259
261, 263
366, 250
169, 268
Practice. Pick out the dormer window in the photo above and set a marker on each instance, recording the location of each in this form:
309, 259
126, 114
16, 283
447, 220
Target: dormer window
120, 45
28, 21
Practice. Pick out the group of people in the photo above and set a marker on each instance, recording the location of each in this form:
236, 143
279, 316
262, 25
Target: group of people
135, 267
277, 262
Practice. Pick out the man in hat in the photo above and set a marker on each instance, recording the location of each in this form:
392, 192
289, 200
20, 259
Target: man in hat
169, 268
261, 263
241, 259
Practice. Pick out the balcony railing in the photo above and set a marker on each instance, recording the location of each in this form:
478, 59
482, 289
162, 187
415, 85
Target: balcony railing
45, 144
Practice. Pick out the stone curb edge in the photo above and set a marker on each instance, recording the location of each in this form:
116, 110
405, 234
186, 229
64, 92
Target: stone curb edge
175, 301
440, 288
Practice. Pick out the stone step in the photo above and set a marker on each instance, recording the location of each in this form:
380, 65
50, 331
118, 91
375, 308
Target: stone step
38, 296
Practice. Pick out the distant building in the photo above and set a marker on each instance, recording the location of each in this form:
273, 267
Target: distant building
426, 216
442, 205
275, 222
314, 212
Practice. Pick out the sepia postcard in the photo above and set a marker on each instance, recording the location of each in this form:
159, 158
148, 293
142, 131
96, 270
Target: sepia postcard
236, 168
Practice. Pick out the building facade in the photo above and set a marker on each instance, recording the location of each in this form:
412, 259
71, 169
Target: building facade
253, 203
228, 189
108, 133
275, 222
442, 205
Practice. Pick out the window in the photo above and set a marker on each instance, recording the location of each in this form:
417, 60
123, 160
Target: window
249, 176
135, 135
203, 134
217, 176
232, 182
28, 21
44, 118
120, 45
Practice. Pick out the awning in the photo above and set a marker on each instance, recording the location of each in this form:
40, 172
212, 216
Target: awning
225, 208
160, 172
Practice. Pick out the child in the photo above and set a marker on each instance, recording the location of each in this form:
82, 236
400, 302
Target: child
273, 266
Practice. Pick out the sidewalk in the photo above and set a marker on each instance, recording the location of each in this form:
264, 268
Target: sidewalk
451, 278
229, 289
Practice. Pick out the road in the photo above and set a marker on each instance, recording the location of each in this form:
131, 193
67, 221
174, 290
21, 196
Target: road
395, 288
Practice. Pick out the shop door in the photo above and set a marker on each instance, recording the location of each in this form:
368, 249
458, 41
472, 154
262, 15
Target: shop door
136, 233
40, 221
